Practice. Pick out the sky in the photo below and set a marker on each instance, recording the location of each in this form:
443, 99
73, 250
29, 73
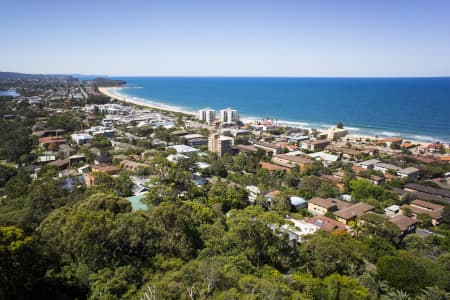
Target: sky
226, 38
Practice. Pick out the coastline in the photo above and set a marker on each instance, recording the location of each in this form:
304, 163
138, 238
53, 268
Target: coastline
354, 133
122, 98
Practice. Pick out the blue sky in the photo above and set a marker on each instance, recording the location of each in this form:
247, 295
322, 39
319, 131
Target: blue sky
227, 38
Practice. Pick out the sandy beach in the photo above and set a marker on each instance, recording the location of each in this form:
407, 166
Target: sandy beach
109, 91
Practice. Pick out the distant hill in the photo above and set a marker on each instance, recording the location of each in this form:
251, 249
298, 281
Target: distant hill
105, 82
15, 76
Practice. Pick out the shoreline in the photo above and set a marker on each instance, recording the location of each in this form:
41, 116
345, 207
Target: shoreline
122, 98
353, 133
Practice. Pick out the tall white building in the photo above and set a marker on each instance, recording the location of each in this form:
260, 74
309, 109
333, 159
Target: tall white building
207, 114
229, 116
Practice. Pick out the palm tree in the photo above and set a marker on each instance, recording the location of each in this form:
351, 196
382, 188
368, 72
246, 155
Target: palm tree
434, 293
376, 286
396, 295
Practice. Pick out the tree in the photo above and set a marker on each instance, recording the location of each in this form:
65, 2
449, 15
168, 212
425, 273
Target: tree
18, 263
15, 140
120, 283
6, 173
227, 196
217, 168
343, 287
123, 185
102, 143
446, 215
340, 125
326, 254
366, 191
405, 271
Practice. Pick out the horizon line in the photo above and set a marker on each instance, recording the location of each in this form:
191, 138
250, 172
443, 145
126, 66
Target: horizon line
236, 76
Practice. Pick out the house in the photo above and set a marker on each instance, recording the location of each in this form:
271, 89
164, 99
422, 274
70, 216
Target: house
108, 169
418, 207
102, 159
183, 149
392, 210
176, 157
383, 167
51, 141
296, 138
369, 164
441, 193
435, 148
89, 178
314, 145
66, 150
44, 133
405, 224
335, 180
60, 164
46, 158
410, 173
253, 192
179, 132
81, 138
300, 228
197, 142
391, 141
271, 149
352, 212
195, 139
327, 224
272, 167
321, 206
326, 158
100, 130
131, 165
286, 160
245, 148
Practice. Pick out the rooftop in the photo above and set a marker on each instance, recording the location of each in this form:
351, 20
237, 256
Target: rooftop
295, 159
184, 148
329, 202
403, 222
357, 210
326, 223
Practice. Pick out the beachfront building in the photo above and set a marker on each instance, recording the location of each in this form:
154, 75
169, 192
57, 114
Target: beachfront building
335, 133
220, 144
207, 114
229, 116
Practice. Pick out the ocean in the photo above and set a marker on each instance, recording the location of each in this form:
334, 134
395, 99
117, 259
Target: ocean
8, 93
415, 108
